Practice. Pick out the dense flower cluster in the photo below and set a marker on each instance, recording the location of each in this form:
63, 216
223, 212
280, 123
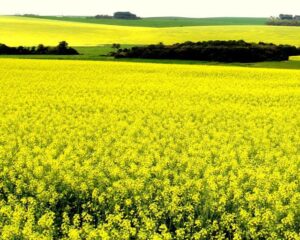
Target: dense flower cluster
99, 150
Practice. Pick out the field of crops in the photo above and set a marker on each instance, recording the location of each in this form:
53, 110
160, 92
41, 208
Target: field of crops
165, 21
100, 150
31, 31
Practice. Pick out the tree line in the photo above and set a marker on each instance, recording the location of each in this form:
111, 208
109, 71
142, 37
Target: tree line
285, 20
61, 49
219, 51
118, 15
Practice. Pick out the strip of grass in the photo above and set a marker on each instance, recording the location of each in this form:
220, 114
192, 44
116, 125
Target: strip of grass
164, 21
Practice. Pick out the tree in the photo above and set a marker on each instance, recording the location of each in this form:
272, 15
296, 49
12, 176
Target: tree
286, 17
41, 49
297, 17
220, 51
116, 46
61, 49
103, 16
125, 15
63, 45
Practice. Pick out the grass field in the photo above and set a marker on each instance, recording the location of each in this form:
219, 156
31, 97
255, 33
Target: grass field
32, 31
165, 21
99, 150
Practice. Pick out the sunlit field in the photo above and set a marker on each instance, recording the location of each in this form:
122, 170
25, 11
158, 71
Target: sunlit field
31, 31
163, 21
103, 150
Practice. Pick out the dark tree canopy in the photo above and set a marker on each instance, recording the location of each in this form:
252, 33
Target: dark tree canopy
103, 16
219, 51
116, 45
118, 15
61, 49
285, 20
125, 15
286, 17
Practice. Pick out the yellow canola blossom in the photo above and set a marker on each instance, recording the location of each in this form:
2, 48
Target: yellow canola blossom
106, 150
18, 31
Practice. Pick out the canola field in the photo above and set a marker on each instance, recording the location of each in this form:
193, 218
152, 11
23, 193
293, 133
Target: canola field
106, 150
17, 31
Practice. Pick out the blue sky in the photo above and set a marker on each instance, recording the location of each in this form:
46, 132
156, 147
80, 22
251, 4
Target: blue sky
146, 8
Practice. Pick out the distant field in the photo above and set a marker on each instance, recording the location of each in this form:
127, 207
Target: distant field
94, 40
32, 31
165, 21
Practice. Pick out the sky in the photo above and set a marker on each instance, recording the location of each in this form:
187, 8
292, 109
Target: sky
149, 8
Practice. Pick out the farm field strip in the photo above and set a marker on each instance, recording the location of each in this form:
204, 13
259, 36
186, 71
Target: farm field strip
107, 149
165, 21
33, 31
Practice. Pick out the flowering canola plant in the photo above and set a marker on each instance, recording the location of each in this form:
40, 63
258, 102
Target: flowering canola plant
34, 31
106, 150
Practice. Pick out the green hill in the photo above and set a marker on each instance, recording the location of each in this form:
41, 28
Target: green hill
164, 21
